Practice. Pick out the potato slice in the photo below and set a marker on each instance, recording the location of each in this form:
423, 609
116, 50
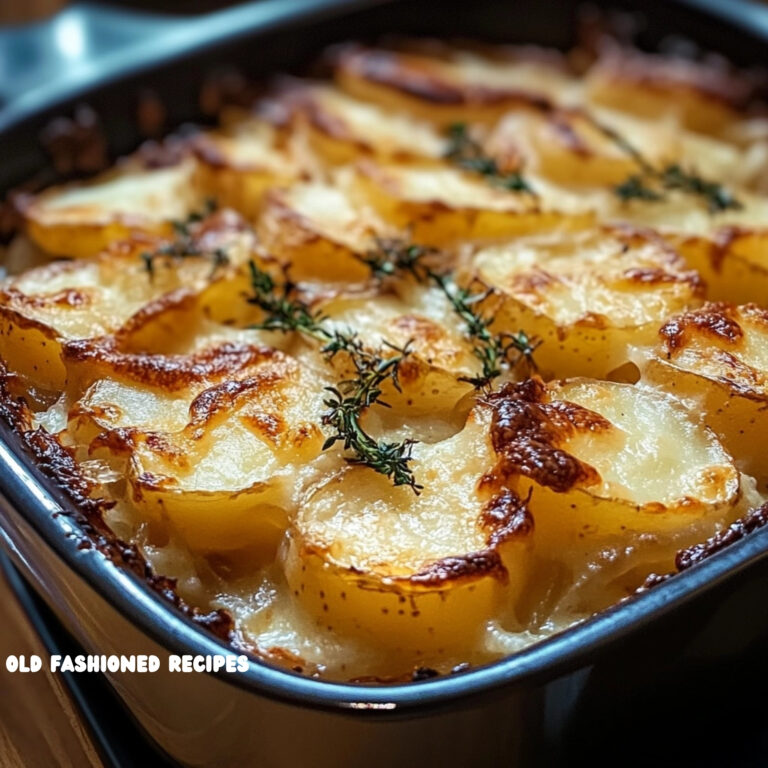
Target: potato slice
716, 359
239, 164
47, 307
81, 220
440, 205
579, 148
604, 465
341, 128
433, 376
455, 85
702, 97
733, 260
588, 297
319, 229
412, 573
565, 146
727, 248
219, 461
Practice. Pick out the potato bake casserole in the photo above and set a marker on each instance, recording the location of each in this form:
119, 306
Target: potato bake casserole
400, 371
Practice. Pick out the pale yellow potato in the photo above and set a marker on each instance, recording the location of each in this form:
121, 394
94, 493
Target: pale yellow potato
342, 128
218, 462
80, 220
716, 359
604, 464
732, 260
46, 308
320, 229
238, 165
457, 86
442, 205
588, 298
412, 573
565, 146
577, 147
432, 376
703, 97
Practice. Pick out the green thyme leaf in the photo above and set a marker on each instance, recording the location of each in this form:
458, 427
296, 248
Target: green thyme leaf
466, 153
496, 351
349, 399
652, 182
184, 245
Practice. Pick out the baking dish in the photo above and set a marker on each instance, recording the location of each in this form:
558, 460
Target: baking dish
516, 711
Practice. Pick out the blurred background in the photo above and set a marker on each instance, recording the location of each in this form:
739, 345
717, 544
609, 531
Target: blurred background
20, 11
15, 11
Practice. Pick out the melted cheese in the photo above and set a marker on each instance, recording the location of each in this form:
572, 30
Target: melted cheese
544, 498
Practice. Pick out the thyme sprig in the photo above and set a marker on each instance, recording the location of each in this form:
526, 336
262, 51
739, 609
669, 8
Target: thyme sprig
652, 182
184, 245
675, 177
466, 153
351, 397
496, 351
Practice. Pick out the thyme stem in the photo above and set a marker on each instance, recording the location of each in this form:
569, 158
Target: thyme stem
666, 178
466, 153
350, 398
184, 246
496, 351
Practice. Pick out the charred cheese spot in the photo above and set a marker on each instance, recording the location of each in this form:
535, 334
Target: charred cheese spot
404, 572
716, 359
589, 297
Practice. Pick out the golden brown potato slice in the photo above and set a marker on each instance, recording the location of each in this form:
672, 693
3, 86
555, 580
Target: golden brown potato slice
440, 205
44, 309
433, 376
604, 463
716, 359
588, 297
704, 97
574, 147
565, 146
455, 85
239, 164
733, 260
319, 229
80, 220
727, 248
217, 447
342, 128
412, 573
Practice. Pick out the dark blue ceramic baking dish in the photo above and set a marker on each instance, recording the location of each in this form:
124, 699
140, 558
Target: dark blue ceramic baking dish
651, 668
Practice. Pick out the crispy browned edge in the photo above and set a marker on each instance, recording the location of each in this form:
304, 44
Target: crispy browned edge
57, 462
686, 558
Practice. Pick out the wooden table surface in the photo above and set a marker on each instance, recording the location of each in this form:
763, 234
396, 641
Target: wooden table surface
39, 727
